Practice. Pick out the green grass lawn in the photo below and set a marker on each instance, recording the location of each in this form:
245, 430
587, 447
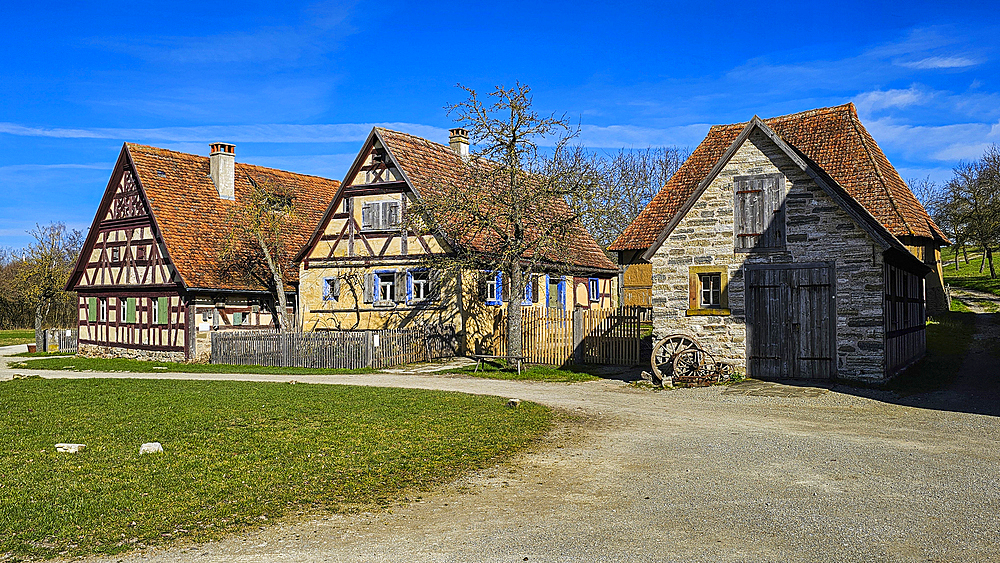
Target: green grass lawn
76, 363
236, 454
948, 340
968, 275
499, 370
11, 337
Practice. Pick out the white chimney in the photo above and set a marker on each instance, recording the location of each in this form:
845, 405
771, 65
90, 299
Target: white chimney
459, 140
223, 164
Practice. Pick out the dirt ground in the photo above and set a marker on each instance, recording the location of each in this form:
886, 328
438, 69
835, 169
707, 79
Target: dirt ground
755, 472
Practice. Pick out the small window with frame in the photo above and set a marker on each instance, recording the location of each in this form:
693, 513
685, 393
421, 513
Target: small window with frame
708, 290
420, 285
594, 289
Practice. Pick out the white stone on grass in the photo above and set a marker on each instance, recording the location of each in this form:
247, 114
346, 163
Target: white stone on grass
151, 448
70, 448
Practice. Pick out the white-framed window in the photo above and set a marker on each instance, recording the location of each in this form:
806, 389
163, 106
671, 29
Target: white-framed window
419, 285
529, 289
380, 215
385, 286
494, 288
116, 254
594, 289
104, 309
156, 310
711, 289
122, 309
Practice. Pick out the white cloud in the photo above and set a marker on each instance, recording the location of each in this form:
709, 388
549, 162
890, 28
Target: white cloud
265, 133
897, 98
945, 143
939, 62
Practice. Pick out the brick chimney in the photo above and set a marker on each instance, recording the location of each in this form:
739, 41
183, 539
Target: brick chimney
222, 165
458, 138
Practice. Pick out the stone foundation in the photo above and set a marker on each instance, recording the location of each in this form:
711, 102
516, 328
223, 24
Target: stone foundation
94, 351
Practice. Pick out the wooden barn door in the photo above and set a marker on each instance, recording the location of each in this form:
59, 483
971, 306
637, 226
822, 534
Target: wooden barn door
791, 322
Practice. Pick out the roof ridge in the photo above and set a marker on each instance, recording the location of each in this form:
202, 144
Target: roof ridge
855, 124
849, 106
238, 163
416, 137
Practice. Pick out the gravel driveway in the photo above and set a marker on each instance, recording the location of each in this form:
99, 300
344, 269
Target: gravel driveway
758, 472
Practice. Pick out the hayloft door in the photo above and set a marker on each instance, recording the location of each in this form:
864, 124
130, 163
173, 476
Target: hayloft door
791, 321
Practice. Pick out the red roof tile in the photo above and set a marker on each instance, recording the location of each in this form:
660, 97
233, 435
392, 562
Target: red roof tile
191, 217
834, 140
427, 164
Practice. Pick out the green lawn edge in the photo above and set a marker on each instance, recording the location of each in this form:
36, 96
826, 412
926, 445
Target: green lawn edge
236, 455
500, 370
78, 363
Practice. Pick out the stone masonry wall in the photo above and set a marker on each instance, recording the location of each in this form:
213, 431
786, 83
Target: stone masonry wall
817, 230
94, 351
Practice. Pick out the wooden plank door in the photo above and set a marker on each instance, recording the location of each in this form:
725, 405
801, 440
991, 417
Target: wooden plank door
791, 325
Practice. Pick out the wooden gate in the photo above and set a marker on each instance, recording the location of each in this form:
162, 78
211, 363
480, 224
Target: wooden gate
791, 321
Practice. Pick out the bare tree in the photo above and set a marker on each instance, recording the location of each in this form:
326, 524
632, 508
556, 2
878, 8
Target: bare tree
507, 210
257, 248
970, 207
621, 185
46, 265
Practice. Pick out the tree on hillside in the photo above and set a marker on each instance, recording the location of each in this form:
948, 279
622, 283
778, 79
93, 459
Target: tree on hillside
970, 206
46, 265
510, 198
257, 248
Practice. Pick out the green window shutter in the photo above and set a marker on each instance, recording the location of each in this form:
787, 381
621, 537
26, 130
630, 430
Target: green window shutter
237, 319
130, 310
163, 308
92, 309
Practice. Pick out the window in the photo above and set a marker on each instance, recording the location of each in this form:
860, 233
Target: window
708, 290
494, 288
530, 290
331, 289
140, 253
381, 288
386, 287
104, 309
380, 215
122, 309
156, 310
711, 289
594, 289
759, 213
418, 285
116, 254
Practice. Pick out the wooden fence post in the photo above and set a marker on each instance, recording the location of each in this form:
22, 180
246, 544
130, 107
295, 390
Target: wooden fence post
578, 335
369, 349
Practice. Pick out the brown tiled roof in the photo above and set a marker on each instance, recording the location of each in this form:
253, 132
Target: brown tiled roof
191, 217
427, 165
834, 140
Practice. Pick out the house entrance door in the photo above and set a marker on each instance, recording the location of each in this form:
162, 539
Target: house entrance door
791, 321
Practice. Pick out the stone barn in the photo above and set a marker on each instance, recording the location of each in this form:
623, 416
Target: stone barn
791, 248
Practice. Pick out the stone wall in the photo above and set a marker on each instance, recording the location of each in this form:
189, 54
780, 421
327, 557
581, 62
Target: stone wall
94, 351
817, 230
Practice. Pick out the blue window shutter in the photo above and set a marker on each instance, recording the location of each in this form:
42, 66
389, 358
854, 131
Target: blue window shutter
499, 288
527, 291
562, 293
409, 286
547, 290
326, 289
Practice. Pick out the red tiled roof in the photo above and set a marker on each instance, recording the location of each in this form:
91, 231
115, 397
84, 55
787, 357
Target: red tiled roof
834, 140
427, 165
191, 217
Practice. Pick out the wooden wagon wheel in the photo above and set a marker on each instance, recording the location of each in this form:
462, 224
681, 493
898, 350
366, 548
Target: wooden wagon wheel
694, 366
666, 350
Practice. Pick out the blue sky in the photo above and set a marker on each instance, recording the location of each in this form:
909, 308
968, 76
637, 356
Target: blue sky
298, 86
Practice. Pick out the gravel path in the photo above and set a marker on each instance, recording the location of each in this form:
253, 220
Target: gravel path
757, 472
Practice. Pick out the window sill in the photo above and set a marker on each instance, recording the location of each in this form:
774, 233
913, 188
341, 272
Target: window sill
384, 304
708, 312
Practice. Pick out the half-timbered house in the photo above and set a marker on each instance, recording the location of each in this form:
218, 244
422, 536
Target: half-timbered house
149, 278
792, 247
363, 270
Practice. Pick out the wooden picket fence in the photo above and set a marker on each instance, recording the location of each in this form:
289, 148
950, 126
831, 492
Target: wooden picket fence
378, 349
582, 336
